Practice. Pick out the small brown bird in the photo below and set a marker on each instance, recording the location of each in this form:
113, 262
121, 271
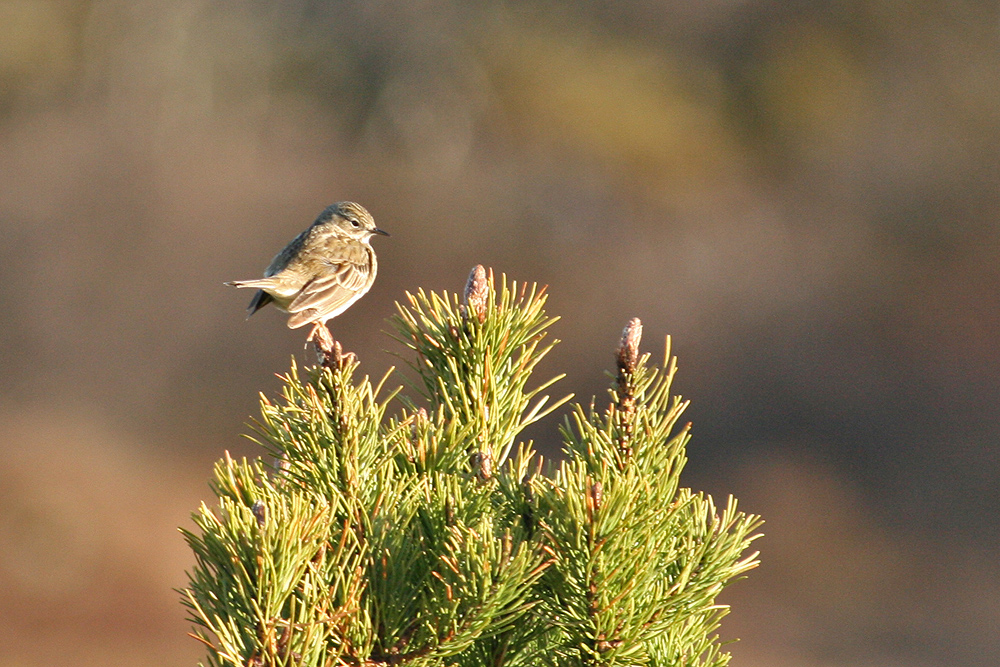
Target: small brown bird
322, 271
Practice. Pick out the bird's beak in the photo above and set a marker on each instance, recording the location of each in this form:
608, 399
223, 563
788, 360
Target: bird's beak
380, 231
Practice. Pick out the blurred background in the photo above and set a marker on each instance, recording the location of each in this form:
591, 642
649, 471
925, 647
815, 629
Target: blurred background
804, 195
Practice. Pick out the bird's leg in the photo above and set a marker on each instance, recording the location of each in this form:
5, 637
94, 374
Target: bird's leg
315, 332
330, 352
320, 336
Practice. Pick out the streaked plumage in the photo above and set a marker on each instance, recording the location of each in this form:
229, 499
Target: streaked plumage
323, 271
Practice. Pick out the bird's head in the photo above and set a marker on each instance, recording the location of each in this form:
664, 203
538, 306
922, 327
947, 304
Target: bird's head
349, 220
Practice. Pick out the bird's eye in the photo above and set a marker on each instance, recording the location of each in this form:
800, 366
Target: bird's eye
355, 223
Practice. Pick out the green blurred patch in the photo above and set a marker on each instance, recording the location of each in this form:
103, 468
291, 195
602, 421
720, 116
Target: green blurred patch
629, 105
38, 47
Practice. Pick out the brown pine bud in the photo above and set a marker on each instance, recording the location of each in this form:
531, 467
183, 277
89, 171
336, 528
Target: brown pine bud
628, 349
482, 466
596, 495
449, 513
259, 511
418, 422
477, 294
527, 490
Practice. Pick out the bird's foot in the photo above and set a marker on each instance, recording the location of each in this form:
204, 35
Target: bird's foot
329, 351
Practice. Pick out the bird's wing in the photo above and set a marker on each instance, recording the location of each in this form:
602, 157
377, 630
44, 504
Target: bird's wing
329, 291
282, 259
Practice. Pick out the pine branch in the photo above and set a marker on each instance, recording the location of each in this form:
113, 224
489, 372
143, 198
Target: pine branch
430, 536
475, 360
638, 557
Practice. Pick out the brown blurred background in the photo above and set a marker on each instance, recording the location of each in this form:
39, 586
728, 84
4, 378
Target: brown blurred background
803, 194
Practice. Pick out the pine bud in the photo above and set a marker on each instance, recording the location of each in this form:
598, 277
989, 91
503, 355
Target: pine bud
628, 349
482, 466
282, 465
259, 511
596, 495
628, 361
418, 423
417, 452
528, 513
477, 294
449, 513
527, 490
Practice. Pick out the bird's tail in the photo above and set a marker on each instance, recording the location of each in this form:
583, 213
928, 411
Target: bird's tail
261, 298
259, 283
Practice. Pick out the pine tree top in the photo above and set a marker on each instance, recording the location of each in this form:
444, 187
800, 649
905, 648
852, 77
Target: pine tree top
399, 528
